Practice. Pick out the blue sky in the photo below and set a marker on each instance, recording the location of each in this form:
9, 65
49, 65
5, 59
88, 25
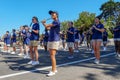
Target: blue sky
14, 13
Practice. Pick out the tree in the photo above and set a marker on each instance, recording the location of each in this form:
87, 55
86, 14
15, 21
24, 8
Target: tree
110, 11
110, 14
85, 20
64, 25
117, 9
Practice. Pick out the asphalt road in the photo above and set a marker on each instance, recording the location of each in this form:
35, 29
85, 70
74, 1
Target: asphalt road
13, 67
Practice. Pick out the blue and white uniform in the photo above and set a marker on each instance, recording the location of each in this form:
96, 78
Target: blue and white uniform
8, 39
77, 36
46, 36
13, 40
97, 35
116, 32
63, 37
71, 37
105, 36
5, 39
34, 37
27, 38
54, 35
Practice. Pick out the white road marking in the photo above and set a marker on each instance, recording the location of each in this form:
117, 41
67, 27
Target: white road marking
45, 68
12, 56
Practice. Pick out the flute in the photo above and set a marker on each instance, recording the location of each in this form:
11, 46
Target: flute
48, 19
41, 21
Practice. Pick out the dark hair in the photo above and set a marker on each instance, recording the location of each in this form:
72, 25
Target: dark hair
118, 23
7, 31
71, 22
25, 26
34, 17
98, 18
13, 30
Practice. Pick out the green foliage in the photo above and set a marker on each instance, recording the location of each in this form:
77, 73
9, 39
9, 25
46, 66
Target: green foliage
109, 17
110, 14
85, 20
64, 26
109, 25
110, 11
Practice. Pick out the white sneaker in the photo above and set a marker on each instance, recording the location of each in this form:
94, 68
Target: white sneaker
90, 49
4, 51
104, 49
30, 63
26, 57
56, 71
92, 52
35, 63
13, 53
8, 51
70, 57
51, 73
20, 54
76, 51
118, 55
64, 49
97, 61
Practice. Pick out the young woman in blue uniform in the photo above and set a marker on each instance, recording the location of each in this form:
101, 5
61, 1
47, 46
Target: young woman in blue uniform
105, 39
8, 41
26, 42
34, 40
70, 39
13, 41
20, 40
53, 40
97, 30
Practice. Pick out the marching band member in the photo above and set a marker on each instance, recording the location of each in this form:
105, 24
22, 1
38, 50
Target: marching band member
13, 41
105, 39
70, 39
34, 38
97, 31
53, 40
